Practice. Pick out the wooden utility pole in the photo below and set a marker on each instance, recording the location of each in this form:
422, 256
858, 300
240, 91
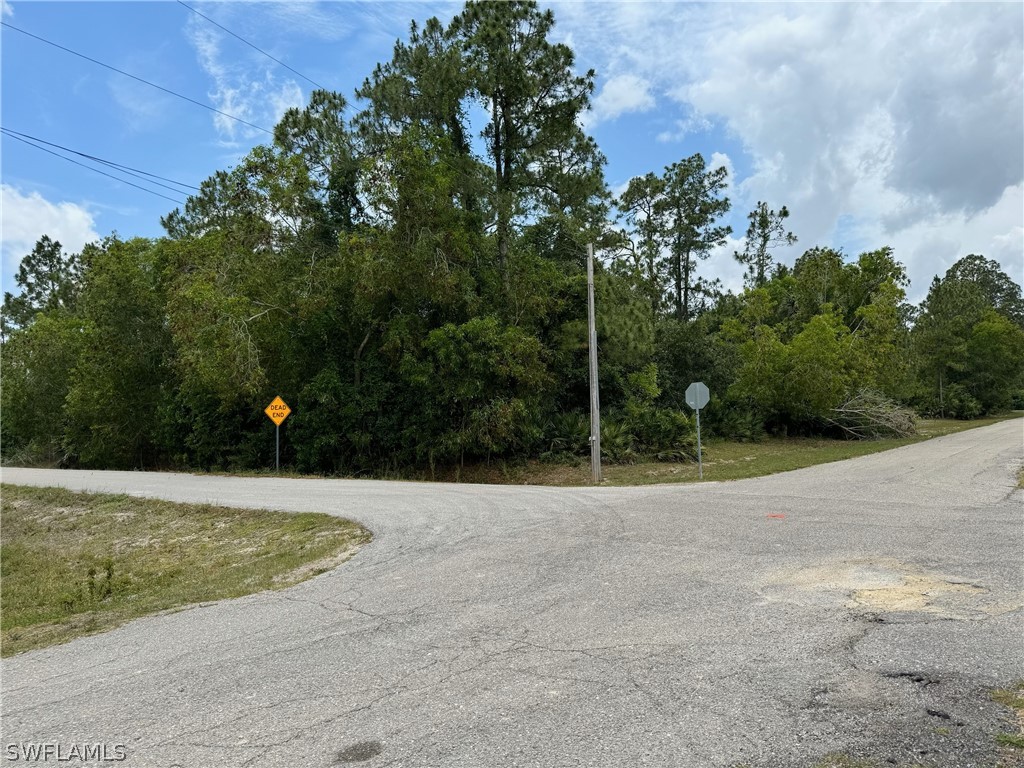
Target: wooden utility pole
595, 400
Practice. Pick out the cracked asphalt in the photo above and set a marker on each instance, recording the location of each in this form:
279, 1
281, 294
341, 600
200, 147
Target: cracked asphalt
864, 607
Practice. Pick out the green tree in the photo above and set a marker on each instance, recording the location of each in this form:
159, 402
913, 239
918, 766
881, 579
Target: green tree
995, 359
818, 278
761, 374
948, 314
960, 348
767, 230
641, 207
691, 206
999, 290
425, 86
479, 385
868, 296
48, 280
320, 137
686, 352
533, 99
119, 383
874, 272
796, 386
301, 191
36, 366
818, 376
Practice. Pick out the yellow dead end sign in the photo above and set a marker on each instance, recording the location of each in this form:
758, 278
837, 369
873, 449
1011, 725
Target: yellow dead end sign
277, 412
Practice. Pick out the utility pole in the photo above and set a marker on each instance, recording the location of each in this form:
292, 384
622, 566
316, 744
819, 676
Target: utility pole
595, 400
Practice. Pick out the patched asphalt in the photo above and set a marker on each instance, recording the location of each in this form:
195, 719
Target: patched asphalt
863, 608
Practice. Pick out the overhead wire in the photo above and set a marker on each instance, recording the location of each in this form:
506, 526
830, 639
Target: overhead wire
252, 45
28, 139
91, 168
137, 172
135, 77
348, 105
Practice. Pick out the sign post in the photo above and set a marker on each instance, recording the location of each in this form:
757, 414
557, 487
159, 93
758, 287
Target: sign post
697, 396
277, 412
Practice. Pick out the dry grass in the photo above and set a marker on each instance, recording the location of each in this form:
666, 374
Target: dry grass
74, 564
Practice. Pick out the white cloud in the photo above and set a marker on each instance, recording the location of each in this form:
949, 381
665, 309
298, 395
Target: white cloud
684, 128
722, 264
24, 218
900, 123
921, 97
932, 244
5, 8
260, 99
619, 95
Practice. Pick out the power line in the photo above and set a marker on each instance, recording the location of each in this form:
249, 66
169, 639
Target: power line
251, 45
119, 166
140, 175
94, 170
134, 77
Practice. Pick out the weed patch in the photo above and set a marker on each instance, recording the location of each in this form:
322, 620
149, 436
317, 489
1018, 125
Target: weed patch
1013, 698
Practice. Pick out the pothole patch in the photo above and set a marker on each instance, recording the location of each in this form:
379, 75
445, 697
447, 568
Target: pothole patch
886, 588
916, 593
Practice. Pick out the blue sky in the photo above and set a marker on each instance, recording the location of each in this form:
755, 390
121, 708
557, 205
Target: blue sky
876, 124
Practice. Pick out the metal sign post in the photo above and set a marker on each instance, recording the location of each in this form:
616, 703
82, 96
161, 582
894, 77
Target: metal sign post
277, 412
697, 396
700, 457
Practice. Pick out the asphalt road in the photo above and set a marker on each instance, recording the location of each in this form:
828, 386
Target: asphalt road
863, 608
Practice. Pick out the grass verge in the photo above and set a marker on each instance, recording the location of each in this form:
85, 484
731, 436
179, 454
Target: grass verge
723, 460
73, 564
1013, 698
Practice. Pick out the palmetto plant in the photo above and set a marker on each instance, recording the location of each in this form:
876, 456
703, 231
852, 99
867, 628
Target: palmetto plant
617, 442
568, 433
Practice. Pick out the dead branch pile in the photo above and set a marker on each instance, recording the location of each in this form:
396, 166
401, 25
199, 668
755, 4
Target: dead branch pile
870, 414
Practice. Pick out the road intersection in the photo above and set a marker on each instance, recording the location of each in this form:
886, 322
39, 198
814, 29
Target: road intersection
862, 608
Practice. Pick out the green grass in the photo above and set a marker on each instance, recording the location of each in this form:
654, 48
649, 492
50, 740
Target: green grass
73, 564
723, 460
1015, 740
1013, 698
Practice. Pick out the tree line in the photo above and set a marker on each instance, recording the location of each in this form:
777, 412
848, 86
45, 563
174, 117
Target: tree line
411, 280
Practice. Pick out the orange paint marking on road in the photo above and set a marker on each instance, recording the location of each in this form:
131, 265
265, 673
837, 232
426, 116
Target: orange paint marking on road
776, 516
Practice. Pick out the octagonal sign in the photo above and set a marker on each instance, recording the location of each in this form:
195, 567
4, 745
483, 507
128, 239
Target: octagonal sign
697, 395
